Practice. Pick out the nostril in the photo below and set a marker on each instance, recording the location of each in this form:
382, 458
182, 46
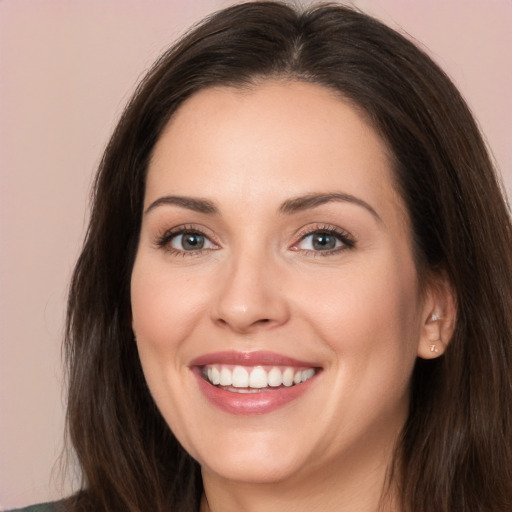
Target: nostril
243, 325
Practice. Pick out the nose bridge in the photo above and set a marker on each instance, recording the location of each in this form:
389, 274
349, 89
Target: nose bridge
250, 295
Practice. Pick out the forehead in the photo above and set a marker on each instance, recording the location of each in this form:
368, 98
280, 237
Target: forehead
271, 141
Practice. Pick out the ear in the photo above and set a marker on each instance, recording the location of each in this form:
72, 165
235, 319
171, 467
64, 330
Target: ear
439, 315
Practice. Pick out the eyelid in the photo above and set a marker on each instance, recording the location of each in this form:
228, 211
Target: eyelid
348, 240
163, 238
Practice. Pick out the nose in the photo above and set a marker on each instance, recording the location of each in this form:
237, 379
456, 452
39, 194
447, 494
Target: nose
251, 295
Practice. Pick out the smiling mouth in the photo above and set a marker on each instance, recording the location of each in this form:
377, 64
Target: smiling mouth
253, 382
255, 379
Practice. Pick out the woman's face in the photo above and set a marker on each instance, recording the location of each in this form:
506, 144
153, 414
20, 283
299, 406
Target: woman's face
275, 298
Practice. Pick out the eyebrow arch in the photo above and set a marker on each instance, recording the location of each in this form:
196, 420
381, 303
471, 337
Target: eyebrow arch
190, 203
308, 201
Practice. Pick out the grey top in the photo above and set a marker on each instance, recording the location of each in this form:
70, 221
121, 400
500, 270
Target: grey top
43, 507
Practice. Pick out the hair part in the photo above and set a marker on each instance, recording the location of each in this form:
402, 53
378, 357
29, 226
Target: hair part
455, 452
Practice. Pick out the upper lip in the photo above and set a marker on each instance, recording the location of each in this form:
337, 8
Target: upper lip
255, 358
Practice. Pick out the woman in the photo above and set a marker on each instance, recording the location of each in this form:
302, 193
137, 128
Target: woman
296, 287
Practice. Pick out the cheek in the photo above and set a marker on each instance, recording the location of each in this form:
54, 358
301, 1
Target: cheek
367, 310
165, 304
164, 310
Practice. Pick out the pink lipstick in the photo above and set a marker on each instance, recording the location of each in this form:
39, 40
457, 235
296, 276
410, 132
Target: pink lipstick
252, 382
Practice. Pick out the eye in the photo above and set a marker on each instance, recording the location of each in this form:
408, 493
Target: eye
325, 240
320, 242
186, 240
190, 241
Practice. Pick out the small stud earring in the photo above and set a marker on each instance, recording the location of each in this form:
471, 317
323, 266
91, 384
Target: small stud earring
435, 317
433, 348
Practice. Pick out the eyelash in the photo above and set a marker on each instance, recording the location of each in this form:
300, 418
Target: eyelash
163, 241
348, 241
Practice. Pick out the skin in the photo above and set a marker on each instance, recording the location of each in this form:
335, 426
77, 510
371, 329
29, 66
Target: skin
259, 284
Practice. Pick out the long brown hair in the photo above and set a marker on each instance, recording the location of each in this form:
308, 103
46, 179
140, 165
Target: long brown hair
456, 447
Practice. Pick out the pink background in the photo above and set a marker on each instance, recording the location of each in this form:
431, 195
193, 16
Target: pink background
66, 70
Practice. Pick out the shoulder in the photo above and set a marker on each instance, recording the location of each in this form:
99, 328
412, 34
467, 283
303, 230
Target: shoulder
43, 507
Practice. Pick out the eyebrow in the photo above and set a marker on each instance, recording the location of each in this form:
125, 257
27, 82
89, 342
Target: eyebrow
309, 201
190, 203
290, 206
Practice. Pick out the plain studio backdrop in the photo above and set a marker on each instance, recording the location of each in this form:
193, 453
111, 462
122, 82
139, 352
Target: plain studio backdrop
66, 70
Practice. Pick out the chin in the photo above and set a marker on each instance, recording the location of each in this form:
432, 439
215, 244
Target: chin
252, 457
253, 470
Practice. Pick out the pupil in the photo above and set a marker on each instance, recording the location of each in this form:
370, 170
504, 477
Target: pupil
324, 242
193, 241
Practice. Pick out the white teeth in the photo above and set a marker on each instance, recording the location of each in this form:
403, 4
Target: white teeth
215, 378
225, 377
240, 377
307, 374
288, 377
258, 377
275, 379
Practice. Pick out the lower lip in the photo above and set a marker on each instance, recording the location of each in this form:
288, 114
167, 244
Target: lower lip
251, 403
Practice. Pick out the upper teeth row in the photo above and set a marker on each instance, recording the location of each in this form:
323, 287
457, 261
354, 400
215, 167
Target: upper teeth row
256, 377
